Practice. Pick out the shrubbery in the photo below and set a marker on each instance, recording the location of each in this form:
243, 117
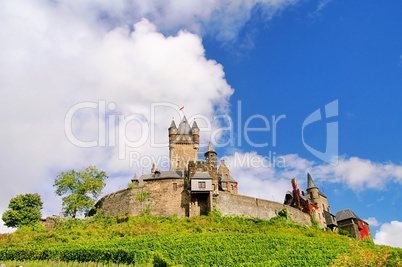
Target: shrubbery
170, 241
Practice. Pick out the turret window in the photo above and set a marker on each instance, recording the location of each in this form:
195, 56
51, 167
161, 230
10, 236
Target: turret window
174, 186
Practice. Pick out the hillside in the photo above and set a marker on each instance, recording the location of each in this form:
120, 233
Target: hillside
201, 241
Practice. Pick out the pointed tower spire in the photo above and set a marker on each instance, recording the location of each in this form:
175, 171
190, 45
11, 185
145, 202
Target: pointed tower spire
173, 124
135, 179
310, 182
184, 126
195, 126
210, 147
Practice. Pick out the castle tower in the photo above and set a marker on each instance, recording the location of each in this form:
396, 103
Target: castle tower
183, 143
211, 164
320, 200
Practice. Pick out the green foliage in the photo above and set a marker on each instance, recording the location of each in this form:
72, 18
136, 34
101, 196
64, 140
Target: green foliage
314, 222
130, 186
217, 211
284, 213
81, 189
23, 210
344, 232
141, 195
196, 241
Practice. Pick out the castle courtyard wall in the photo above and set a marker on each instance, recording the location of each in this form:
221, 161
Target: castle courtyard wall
255, 207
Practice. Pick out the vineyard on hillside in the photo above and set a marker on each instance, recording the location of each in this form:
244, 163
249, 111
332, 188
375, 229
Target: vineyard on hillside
200, 241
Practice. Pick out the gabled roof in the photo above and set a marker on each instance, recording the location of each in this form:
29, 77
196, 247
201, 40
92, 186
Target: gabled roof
201, 175
330, 218
346, 214
159, 175
184, 127
310, 182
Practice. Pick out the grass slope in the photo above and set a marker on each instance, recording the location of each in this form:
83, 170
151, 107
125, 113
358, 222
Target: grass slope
201, 241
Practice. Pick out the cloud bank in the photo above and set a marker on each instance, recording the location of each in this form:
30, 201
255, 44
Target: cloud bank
389, 234
54, 59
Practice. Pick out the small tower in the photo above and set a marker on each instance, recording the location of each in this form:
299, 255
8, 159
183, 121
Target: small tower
320, 200
211, 164
135, 180
172, 131
312, 190
183, 143
195, 131
210, 157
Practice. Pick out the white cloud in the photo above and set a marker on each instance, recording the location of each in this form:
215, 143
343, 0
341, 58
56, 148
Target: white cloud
53, 58
256, 176
222, 18
262, 176
390, 234
360, 174
372, 221
320, 6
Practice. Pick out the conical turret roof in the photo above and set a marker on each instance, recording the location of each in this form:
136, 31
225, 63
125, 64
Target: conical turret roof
135, 177
310, 182
210, 148
173, 125
195, 126
184, 127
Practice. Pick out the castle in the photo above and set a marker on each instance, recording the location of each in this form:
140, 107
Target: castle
193, 187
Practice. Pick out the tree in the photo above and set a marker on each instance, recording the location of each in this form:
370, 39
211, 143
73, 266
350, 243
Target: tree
23, 210
81, 189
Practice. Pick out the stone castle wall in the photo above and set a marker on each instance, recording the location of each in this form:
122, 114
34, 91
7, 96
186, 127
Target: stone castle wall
164, 201
161, 200
255, 207
120, 202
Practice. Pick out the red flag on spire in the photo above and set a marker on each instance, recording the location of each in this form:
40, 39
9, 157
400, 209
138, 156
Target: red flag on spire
181, 108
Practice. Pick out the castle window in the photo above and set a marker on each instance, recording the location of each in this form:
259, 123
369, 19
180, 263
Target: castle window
178, 164
136, 183
224, 185
232, 187
212, 167
174, 186
226, 176
323, 207
201, 185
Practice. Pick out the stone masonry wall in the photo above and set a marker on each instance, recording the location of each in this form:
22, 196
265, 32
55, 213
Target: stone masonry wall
120, 202
164, 201
255, 207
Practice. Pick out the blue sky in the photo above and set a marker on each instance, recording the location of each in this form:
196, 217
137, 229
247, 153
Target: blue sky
300, 61
273, 58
